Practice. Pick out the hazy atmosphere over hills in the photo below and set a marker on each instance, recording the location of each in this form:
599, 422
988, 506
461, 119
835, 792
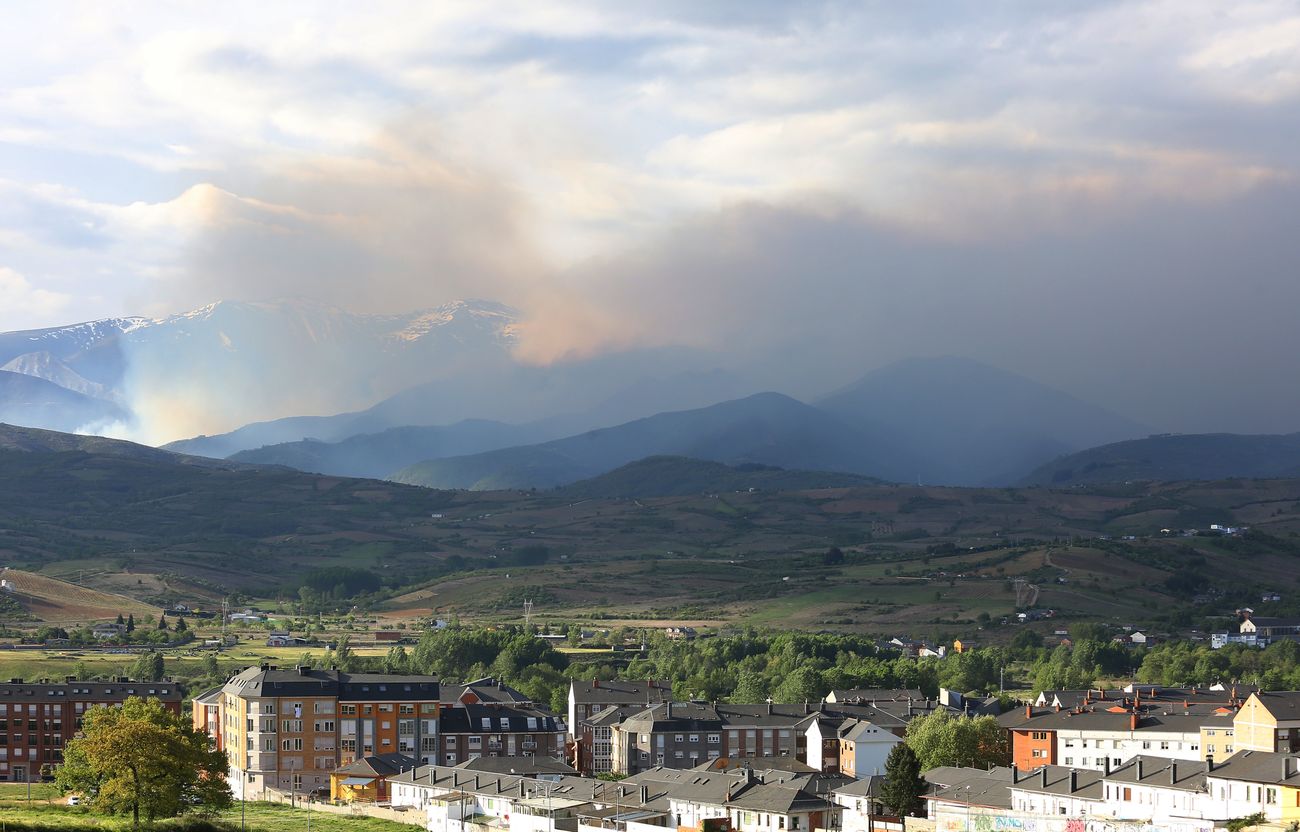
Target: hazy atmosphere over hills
790, 194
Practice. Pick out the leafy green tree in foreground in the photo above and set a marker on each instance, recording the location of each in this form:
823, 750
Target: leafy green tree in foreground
942, 739
143, 760
901, 793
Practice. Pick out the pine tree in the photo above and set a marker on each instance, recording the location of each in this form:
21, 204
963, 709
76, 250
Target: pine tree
181, 626
162, 621
901, 793
120, 620
130, 623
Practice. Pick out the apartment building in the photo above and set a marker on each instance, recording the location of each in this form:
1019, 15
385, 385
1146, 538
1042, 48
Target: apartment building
586, 699
1145, 792
1093, 736
678, 735
38, 718
473, 730
288, 729
1269, 721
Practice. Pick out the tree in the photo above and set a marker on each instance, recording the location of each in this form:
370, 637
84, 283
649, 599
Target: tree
943, 739
148, 667
162, 621
120, 620
130, 623
833, 556
904, 785
142, 759
181, 626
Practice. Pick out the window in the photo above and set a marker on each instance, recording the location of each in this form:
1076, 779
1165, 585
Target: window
714, 739
695, 738
678, 738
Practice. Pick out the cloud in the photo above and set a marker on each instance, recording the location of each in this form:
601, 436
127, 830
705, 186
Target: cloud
21, 304
780, 182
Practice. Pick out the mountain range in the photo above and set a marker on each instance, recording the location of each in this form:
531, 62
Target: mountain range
447, 403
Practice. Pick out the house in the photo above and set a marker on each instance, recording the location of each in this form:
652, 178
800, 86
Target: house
681, 633
864, 747
959, 646
247, 617
108, 630
1268, 721
279, 639
366, 780
1270, 597
1140, 639
860, 807
488, 690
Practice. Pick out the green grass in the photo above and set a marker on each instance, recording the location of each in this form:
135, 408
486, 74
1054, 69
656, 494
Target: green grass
275, 817
15, 816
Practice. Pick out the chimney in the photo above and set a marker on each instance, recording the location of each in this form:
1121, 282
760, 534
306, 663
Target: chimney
1029, 711
1173, 773
1133, 721
1074, 781
521, 787
1042, 775
645, 795
769, 707
1289, 766
1101, 694
1015, 775
1138, 768
1209, 763
1105, 766
595, 683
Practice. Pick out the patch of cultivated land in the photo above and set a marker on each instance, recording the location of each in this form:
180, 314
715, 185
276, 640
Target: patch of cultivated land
53, 601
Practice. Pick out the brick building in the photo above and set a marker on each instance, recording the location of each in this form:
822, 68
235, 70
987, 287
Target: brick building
38, 718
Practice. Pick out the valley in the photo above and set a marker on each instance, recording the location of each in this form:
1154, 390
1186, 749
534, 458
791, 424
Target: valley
935, 560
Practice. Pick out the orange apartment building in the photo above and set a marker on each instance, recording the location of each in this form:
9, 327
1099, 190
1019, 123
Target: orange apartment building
288, 729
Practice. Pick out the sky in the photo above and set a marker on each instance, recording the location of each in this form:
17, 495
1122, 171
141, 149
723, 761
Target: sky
1101, 196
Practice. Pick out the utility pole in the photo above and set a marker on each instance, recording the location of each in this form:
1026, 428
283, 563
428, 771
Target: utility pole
528, 613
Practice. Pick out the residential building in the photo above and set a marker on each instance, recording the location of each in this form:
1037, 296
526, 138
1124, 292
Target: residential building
289, 729
205, 715
588, 698
860, 807
864, 747
677, 735
1089, 738
1268, 721
859, 696
366, 780
493, 730
593, 744
38, 718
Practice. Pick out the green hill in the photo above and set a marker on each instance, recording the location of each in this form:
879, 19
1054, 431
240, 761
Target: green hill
675, 476
916, 560
1175, 457
767, 428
